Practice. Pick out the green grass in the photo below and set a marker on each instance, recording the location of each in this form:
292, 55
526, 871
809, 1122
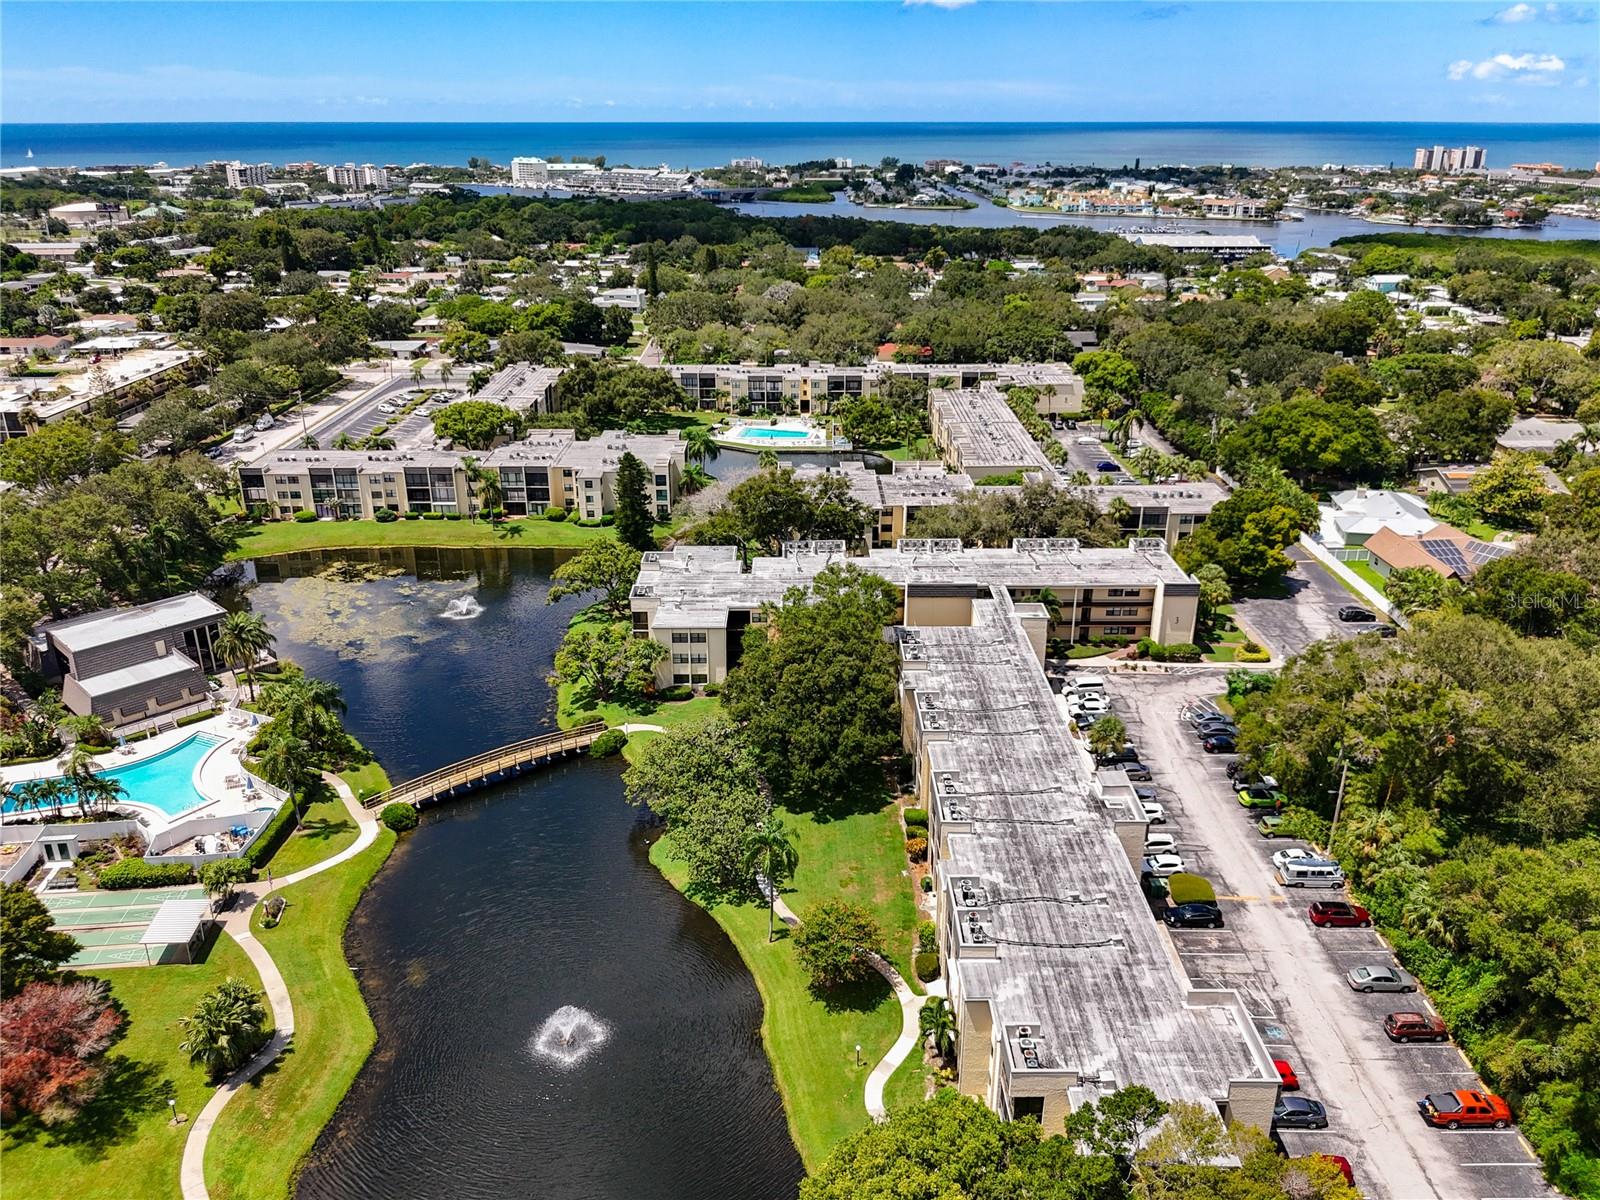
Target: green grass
811, 1041
122, 1146
921, 450
366, 780
326, 827
1368, 573
295, 1097
1436, 246
908, 1085
287, 537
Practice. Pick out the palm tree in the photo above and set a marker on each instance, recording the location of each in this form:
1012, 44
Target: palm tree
306, 709
485, 481
695, 478
699, 446
419, 369
91, 790
767, 460
1123, 426
87, 730
225, 1028
344, 441
446, 370
285, 760
159, 541
938, 1021
242, 640
40, 794
767, 849
309, 443
377, 441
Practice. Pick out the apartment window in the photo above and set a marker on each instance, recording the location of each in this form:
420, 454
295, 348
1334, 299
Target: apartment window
698, 638
661, 481
641, 622
1122, 591
588, 485
680, 639
1119, 630
680, 677
699, 677
1122, 612
661, 493
698, 658
680, 660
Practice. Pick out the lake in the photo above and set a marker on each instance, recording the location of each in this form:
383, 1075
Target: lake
509, 905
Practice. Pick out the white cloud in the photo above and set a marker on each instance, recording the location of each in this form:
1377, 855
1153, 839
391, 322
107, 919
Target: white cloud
1552, 14
1541, 68
945, 4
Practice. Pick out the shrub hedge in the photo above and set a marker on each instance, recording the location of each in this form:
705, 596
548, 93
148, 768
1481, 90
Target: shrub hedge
917, 849
555, 514
1185, 888
608, 743
305, 516
384, 515
915, 818
136, 873
926, 966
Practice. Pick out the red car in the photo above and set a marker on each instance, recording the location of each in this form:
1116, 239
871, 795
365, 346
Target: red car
1415, 1027
1471, 1109
1286, 1075
1337, 914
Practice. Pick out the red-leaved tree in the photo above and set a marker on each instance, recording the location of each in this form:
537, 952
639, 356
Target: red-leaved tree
52, 1039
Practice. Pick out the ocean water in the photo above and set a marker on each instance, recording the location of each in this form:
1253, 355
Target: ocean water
707, 144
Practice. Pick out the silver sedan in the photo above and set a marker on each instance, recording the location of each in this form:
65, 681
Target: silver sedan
1381, 979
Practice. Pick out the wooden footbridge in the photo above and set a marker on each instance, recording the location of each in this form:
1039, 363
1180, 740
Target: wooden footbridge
493, 766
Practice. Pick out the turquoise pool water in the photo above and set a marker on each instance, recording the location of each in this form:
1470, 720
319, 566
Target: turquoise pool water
165, 782
758, 432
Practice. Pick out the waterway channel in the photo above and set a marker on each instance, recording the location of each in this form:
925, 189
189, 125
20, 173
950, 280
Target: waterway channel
508, 906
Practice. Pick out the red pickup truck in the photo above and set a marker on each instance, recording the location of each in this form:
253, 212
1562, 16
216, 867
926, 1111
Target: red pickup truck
1472, 1110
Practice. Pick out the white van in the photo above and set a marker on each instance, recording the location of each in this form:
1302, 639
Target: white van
242, 436
1086, 685
1311, 872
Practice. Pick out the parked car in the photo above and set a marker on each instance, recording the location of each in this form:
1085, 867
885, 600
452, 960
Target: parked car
1106, 466
387, 409
1297, 1112
1282, 858
1415, 1027
1380, 979
1383, 631
1199, 716
1137, 772
1213, 724
1286, 1076
242, 435
1084, 439
1337, 914
1163, 865
1124, 479
1153, 812
264, 422
1220, 743
1145, 792
1095, 705
1469, 1109
1087, 683
1354, 612
1133, 444
1197, 914
1271, 826
1157, 843
1259, 795
1128, 753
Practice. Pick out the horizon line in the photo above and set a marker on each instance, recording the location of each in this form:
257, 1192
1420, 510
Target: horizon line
1172, 123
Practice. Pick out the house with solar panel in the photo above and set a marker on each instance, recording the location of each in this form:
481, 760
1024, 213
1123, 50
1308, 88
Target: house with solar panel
1443, 549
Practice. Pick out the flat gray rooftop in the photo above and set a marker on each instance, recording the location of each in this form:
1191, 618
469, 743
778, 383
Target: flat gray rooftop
145, 620
1055, 932
984, 431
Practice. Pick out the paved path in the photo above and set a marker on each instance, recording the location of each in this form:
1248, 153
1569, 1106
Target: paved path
632, 729
910, 1037
236, 924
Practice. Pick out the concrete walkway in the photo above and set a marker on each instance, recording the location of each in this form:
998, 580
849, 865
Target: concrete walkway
236, 924
639, 727
910, 1037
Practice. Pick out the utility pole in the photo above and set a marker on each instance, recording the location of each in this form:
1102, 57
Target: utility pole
1338, 799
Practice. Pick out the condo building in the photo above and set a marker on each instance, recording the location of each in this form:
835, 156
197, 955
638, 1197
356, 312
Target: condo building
551, 468
896, 496
815, 388
364, 176
243, 175
1063, 988
698, 600
978, 434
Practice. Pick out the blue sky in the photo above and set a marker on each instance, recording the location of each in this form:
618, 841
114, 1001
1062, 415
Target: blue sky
886, 60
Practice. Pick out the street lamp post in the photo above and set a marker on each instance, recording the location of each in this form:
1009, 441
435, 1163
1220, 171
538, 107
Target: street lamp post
858, 1055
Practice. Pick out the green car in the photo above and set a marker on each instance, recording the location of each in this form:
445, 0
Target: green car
1259, 795
1268, 826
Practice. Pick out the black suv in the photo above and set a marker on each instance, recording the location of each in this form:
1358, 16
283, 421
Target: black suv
1198, 914
1354, 612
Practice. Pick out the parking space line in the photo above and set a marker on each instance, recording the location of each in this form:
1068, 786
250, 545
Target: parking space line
1500, 1164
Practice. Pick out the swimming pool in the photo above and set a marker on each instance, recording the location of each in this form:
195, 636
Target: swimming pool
164, 782
769, 431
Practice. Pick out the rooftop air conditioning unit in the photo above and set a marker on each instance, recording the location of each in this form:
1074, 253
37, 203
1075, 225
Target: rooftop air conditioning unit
1024, 1031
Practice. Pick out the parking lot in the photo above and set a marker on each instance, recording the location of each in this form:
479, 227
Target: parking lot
1292, 976
1307, 611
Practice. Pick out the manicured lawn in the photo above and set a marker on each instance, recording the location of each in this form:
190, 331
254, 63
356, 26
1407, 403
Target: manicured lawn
921, 450
296, 1096
367, 780
811, 1040
1369, 574
669, 714
326, 828
908, 1085
123, 1146
286, 537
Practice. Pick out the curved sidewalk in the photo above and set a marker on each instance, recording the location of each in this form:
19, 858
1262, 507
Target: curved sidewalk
236, 924
910, 1036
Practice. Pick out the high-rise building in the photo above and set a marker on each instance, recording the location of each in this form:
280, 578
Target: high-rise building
1452, 160
530, 172
243, 175
364, 176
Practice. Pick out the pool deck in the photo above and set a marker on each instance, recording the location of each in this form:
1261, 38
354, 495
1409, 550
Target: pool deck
815, 437
211, 777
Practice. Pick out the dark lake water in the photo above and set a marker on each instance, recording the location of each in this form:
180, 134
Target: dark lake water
506, 906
